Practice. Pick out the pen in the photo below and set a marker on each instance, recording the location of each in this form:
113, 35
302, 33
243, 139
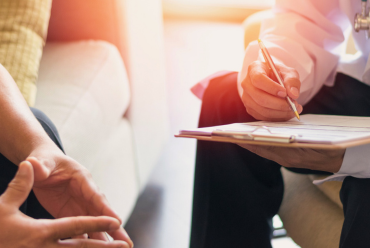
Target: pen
272, 66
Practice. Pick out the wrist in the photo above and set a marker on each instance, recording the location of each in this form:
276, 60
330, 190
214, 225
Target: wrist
337, 165
32, 145
337, 162
44, 160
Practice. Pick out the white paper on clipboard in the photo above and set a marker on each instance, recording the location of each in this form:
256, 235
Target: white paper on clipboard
318, 129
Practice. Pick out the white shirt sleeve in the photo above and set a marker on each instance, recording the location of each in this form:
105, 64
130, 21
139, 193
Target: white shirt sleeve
306, 35
356, 163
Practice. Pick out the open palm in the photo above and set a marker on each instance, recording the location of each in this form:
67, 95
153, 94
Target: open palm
68, 190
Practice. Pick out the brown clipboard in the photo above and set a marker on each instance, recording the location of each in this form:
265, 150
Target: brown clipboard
336, 146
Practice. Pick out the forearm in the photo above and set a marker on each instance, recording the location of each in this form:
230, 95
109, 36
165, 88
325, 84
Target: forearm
20, 132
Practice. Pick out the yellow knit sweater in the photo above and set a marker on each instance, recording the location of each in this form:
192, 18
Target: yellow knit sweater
23, 28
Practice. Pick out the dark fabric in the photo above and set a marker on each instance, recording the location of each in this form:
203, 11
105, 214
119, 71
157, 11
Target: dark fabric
225, 190
356, 207
31, 206
236, 193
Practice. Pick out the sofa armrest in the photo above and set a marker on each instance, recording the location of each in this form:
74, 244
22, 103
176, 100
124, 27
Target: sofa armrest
135, 27
83, 88
73, 20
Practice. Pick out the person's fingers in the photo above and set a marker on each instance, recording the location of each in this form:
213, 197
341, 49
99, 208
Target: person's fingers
260, 80
99, 204
100, 200
293, 86
266, 100
121, 234
108, 211
74, 226
260, 117
41, 168
83, 236
102, 206
79, 243
251, 148
99, 236
291, 82
269, 152
20, 187
269, 114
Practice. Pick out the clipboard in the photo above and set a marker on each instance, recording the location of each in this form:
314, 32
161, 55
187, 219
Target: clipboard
360, 129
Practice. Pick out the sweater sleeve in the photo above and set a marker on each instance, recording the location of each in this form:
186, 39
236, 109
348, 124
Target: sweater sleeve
23, 28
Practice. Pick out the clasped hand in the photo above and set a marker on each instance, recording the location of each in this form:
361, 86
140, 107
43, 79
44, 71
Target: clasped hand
18, 230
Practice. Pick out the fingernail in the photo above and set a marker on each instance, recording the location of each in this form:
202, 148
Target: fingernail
281, 94
294, 91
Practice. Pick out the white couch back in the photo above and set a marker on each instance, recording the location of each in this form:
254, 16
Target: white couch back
135, 27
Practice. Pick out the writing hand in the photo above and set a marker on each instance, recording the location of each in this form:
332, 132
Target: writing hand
264, 97
20, 231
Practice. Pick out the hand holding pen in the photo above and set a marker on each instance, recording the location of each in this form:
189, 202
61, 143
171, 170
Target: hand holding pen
265, 98
277, 75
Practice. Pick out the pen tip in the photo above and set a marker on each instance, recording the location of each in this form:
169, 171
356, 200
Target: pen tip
297, 115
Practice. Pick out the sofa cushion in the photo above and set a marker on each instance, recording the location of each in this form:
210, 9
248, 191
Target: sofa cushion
84, 90
23, 26
114, 168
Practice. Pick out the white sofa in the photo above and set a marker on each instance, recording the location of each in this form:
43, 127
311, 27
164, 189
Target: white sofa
102, 82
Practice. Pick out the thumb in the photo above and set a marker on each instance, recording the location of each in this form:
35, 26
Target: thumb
20, 187
40, 168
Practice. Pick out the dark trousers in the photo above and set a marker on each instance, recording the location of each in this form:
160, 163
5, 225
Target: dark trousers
31, 206
236, 193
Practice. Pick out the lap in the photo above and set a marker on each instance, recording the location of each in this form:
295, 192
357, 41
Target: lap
228, 190
222, 104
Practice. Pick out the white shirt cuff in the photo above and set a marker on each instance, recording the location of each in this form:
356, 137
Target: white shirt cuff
356, 163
